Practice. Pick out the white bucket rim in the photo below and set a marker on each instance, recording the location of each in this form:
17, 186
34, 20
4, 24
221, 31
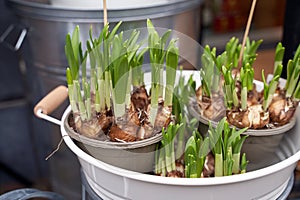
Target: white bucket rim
176, 181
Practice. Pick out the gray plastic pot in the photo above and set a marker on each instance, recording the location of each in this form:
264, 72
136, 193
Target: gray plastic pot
136, 156
260, 143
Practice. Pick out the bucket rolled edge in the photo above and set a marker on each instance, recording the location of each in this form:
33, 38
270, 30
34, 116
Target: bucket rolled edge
50, 13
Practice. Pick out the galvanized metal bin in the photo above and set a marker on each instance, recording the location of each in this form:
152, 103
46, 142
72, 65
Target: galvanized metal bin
47, 24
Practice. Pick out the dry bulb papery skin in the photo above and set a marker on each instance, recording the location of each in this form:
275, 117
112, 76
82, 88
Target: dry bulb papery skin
209, 92
236, 96
254, 117
112, 100
282, 110
286, 100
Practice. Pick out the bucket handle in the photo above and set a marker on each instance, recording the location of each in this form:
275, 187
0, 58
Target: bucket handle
19, 41
50, 102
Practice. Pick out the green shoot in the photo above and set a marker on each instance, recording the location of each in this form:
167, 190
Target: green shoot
296, 94
236, 149
232, 50
195, 154
81, 105
246, 77
250, 51
72, 96
293, 71
229, 89
215, 135
88, 103
182, 93
71, 53
168, 145
279, 53
160, 164
226, 145
179, 151
157, 52
207, 71
157, 169
269, 89
75, 59
247, 71
171, 66
244, 164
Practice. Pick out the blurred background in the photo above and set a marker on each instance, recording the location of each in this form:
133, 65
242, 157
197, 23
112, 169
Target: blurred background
32, 63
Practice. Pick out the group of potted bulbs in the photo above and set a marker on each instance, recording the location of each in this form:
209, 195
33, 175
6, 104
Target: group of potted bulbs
111, 103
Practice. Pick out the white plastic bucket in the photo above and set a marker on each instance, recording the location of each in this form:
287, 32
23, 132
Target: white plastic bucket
111, 182
263, 181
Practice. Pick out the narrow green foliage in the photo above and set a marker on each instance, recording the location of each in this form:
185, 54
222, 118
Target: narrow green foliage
157, 50
120, 79
110, 35
226, 144
244, 96
72, 61
195, 153
246, 78
223, 141
69, 76
157, 168
179, 150
83, 68
160, 165
207, 70
297, 54
296, 94
294, 71
232, 50
279, 53
228, 163
244, 164
182, 93
219, 165
215, 135
171, 66
236, 149
72, 96
81, 104
229, 89
75, 58
290, 68
94, 87
168, 145
76, 44
269, 89
250, 54
88, 103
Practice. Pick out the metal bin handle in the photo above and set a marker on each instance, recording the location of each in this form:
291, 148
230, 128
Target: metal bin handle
50, 102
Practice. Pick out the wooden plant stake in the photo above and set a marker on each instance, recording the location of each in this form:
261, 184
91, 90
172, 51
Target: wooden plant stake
104, 13
247, 32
